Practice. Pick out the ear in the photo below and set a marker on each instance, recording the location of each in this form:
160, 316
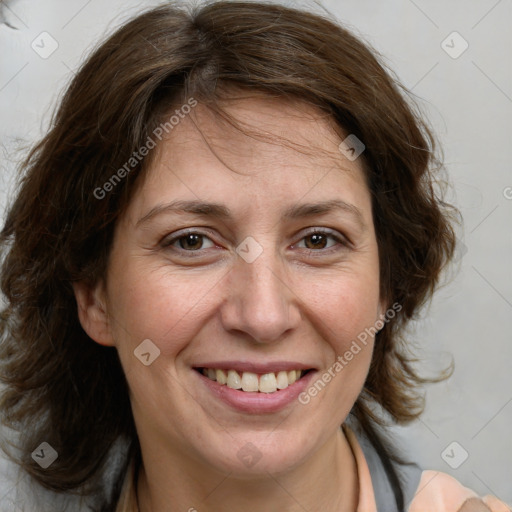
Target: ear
383, 308
92, 312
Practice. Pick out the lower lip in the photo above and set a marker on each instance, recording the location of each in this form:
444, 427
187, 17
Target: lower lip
255, 402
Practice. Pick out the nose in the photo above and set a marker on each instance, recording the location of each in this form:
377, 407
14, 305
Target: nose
260, 301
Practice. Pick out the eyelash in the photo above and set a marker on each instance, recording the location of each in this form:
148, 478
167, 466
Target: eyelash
341, 241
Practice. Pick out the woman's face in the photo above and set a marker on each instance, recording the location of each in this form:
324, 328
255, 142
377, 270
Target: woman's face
251, 256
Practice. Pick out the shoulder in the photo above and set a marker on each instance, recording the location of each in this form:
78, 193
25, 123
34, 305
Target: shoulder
441, 492
422, 491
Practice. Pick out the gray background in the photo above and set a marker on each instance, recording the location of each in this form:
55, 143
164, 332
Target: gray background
468, 100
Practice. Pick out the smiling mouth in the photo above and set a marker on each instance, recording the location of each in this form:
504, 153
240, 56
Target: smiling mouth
253, 382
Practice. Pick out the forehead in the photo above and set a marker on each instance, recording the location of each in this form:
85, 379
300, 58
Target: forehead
268, 149
259, 132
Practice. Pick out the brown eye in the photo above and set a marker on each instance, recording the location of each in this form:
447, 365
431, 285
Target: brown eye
317, 241
189, 242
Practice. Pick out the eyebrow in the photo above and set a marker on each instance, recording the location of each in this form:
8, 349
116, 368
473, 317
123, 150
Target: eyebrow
221, 212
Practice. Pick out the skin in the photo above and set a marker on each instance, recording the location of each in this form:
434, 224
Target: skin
295, 302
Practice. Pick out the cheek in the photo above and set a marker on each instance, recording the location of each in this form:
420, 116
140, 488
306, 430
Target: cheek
346, 307
348, 310
157, 304
354, 312
346, 304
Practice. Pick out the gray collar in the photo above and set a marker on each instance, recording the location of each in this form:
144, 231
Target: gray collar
408, 474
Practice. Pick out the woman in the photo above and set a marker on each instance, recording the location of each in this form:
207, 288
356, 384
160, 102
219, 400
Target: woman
208, 268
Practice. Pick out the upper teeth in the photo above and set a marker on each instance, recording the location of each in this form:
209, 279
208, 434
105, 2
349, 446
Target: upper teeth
248, 381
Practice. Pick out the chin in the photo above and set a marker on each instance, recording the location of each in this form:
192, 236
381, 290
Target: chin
258, 454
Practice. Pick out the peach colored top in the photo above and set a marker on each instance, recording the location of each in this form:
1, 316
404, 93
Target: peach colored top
437, 492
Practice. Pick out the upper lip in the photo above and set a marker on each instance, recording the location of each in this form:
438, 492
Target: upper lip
262, 368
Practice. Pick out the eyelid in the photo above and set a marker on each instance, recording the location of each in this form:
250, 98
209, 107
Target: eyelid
322, 230
168, 240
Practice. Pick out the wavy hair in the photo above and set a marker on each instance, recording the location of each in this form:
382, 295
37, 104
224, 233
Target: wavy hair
63, 388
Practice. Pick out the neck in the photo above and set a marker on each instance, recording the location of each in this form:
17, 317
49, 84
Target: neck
326, 481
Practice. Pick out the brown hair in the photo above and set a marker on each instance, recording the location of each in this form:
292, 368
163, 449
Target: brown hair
71, 392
